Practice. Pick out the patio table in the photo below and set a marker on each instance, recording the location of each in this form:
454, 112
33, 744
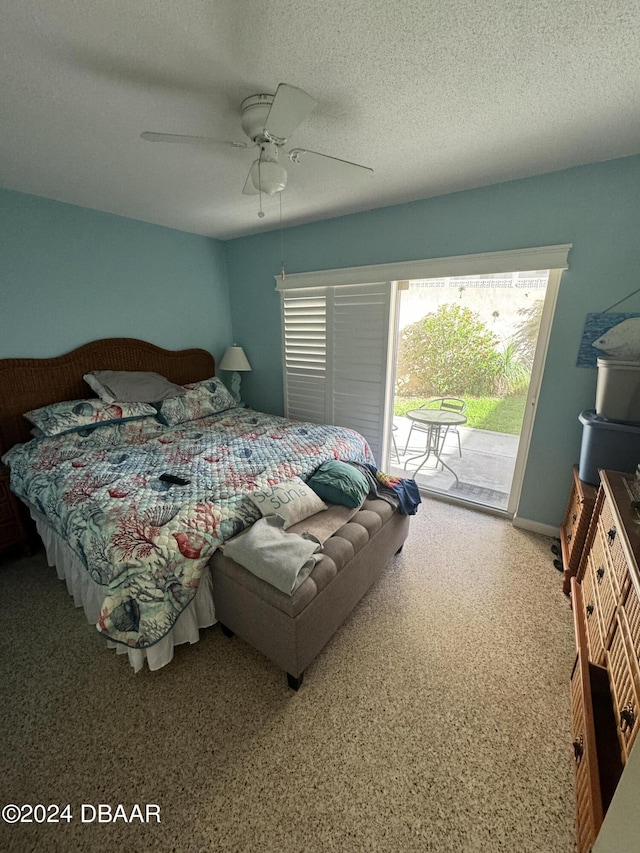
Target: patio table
433, 421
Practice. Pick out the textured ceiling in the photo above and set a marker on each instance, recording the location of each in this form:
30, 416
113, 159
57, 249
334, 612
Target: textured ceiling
435, 95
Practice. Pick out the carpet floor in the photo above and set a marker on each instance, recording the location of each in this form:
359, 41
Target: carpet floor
437, 719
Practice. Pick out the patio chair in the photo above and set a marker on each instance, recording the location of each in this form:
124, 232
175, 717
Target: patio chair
451, 404
394, 451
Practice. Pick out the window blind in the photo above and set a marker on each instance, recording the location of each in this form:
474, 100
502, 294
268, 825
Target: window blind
336, 345
305, 355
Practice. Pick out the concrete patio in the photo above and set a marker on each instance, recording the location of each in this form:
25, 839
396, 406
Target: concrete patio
485, 470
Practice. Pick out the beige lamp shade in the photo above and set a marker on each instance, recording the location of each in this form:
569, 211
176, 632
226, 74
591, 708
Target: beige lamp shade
234, 359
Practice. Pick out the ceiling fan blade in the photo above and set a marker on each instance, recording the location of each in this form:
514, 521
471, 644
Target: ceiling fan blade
294, 156
290, 107
249, 188
148, 136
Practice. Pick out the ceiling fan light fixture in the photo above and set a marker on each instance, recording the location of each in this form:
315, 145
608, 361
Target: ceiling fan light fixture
268, 121
268, 176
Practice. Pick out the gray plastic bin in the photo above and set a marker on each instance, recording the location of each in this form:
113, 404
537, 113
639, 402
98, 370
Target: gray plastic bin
618, 390
607, 444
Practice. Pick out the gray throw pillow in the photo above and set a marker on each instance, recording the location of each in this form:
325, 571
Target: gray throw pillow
131, 386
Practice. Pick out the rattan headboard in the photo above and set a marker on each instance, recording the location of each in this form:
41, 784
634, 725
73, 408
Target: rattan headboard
28, 383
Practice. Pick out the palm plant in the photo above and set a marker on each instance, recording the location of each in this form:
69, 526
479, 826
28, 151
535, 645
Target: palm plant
511, 374
526, 335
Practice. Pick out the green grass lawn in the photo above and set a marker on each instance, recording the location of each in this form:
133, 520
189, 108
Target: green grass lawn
496, 414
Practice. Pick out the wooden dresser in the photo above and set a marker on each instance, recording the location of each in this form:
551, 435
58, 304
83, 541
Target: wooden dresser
605, 683
573, 532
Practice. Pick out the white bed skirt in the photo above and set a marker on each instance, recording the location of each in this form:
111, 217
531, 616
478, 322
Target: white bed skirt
89, 595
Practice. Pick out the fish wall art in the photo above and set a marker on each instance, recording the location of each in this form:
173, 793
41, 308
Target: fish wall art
613, 335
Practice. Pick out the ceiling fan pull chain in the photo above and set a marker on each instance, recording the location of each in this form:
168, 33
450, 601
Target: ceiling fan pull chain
282, 272
261, 211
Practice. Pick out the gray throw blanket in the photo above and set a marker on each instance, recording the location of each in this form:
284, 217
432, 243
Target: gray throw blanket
282, 559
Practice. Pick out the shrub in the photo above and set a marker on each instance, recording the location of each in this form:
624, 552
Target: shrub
449, 351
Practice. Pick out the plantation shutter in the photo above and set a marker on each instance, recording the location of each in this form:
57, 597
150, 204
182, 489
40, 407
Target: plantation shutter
336, 346
305, 354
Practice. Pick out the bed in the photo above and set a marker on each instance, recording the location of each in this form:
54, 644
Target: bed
135, 550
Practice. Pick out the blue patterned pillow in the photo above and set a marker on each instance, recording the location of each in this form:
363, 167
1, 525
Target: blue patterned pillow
73, 415
209, 397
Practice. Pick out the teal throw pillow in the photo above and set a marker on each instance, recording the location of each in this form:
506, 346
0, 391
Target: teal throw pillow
340, 483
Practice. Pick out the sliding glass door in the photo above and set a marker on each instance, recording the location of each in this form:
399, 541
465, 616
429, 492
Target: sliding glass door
468, 367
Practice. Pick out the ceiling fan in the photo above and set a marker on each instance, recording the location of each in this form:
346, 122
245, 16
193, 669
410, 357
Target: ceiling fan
268, 121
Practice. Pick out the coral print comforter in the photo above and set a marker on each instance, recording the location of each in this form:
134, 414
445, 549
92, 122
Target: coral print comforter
147, 541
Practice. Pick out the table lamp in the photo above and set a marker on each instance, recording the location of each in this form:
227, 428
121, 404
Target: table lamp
235, 360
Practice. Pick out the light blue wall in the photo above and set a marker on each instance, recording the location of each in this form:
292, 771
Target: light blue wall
597, 208
69, 275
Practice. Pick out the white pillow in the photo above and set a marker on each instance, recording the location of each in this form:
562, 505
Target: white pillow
291, 499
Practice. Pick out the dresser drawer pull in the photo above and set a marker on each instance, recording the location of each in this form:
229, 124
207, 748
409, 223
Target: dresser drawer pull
627, 717
569, 537
600, 573
589, 609
574, 517
578, 748
611, 535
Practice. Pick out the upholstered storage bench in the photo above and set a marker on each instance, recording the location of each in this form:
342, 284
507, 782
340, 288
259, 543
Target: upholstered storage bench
292, 630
